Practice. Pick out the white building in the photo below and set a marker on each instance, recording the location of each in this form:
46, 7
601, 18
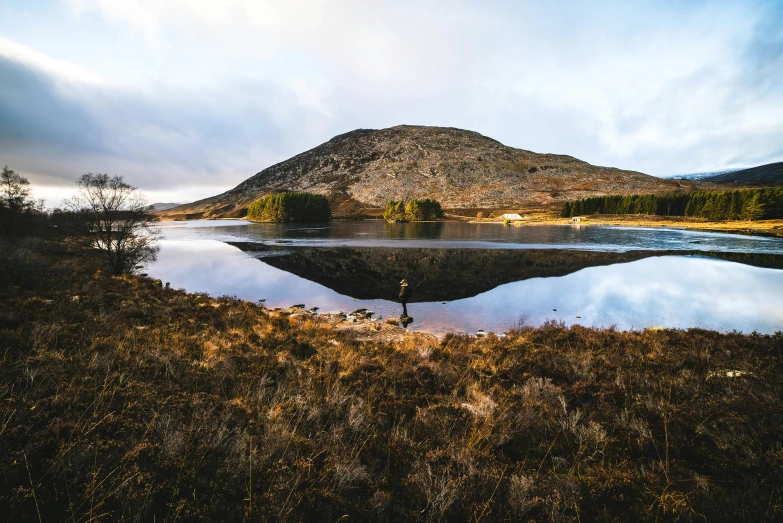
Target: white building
512, 217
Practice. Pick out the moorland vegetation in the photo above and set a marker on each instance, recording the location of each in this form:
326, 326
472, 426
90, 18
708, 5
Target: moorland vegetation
124, 400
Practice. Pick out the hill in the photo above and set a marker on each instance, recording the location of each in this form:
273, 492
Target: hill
769, 174
366, 168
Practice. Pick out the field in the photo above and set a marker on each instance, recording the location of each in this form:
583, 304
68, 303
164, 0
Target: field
121, 400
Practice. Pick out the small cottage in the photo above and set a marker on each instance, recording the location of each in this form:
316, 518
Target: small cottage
575, 219
512, 217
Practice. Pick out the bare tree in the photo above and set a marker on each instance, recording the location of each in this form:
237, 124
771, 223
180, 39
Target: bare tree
117, 221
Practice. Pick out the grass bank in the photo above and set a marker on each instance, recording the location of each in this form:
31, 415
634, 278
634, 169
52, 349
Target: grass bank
755, 227
123, 401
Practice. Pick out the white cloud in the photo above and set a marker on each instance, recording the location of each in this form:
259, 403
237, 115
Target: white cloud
205, 90
62, 70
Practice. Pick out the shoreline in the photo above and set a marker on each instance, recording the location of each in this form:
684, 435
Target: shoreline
766, 228
362, 327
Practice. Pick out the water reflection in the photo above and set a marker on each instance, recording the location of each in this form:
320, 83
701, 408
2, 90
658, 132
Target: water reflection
414, 231
672, 291
436, 274
677, 292
376, 233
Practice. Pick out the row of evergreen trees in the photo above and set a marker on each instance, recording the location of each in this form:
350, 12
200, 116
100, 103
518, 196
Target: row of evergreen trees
290, 207
414, 210
739, 204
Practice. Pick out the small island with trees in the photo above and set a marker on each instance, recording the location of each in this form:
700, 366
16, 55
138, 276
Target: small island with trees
414, 210
290, 207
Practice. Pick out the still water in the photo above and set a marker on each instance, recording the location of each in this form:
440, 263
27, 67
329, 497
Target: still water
668, 291
379, 233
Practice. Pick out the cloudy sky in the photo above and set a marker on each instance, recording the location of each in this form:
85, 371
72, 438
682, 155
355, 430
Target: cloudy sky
186, 98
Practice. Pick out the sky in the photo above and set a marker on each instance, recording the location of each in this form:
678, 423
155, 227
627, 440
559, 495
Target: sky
187, 98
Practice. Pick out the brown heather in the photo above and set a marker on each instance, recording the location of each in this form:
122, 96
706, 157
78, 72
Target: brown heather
124, 401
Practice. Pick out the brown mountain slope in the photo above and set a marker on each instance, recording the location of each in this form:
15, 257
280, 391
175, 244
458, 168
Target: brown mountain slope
367, 168
769, 174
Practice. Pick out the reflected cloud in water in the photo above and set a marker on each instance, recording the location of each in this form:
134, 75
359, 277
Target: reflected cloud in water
667, 291
677, 292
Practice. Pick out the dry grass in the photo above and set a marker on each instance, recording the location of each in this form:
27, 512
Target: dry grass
123, 401
552, 217
761, 227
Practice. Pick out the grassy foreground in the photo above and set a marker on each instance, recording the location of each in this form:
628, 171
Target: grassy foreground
124, 401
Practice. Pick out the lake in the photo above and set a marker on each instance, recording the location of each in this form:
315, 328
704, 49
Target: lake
486, 276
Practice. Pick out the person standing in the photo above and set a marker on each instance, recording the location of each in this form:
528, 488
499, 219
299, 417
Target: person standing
405, 294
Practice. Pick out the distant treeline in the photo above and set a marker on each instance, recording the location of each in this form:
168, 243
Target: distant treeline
22, 221
290, 207
740, 204
19, 213
414, 210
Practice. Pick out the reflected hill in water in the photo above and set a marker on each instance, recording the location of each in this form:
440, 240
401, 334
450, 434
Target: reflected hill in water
445, 274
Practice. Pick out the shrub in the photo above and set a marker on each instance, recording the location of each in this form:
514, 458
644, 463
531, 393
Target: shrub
290, 207
116, 220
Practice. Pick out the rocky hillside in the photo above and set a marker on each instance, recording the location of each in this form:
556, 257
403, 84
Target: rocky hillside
366, 168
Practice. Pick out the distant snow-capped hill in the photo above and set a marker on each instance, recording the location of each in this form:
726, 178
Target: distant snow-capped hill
763, 175
701, 176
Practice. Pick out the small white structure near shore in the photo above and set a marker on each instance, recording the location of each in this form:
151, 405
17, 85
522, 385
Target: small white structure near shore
575, 219
512, 217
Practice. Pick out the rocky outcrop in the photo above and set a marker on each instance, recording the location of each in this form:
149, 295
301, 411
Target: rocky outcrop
366, 168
